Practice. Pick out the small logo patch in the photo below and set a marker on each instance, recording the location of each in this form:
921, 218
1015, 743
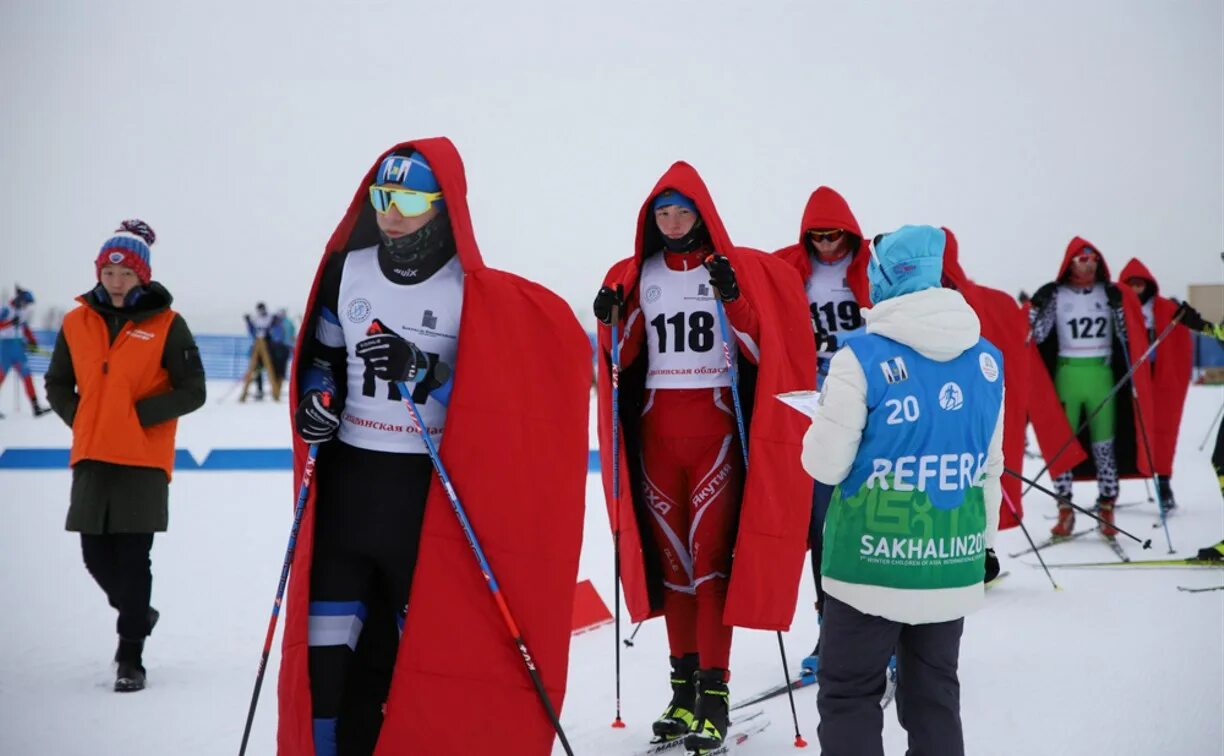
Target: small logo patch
990, 368
359, 310
703, 290
652, 294
428, 320
951, 397
115, 257
894, 370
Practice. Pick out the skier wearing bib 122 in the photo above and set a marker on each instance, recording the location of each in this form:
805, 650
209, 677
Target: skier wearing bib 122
1089, 331
680, 435
910, 430
387, 604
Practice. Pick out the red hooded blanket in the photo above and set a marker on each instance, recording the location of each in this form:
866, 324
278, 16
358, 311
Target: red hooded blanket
1004, 325
515, 449
827, 209
1128, 443
777, 504
1172, 365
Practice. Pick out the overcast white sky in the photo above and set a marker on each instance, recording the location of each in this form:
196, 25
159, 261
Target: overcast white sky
239, 130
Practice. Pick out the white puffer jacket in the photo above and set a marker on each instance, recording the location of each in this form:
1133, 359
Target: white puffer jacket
940, 325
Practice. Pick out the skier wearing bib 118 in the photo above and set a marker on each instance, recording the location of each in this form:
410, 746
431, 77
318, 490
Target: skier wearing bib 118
910, 430
684, 456
1089, 331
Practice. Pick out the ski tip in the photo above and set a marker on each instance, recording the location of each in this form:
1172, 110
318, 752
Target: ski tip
618, 724
1147, 544
1058, 588
800, 742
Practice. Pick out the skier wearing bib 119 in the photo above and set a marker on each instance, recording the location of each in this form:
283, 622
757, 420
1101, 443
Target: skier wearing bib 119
910, 430
1089, 331
681, 444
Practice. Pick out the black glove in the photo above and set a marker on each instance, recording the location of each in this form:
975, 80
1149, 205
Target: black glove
392, 357
315, 421
1192, 318
1113, 295
992, 566
722, 277
607, 299
1043, 296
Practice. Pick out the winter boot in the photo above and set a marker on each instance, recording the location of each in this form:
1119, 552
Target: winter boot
1212, 553
1164, 486
677, 718
39, 410
1065, 525
131, 674
811, 664
153, 616
1105, 510
713, 712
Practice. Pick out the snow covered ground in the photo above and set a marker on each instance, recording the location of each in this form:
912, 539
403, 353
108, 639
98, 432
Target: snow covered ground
1118, 662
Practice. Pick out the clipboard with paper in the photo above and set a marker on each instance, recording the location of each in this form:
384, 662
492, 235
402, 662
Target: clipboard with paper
805, 402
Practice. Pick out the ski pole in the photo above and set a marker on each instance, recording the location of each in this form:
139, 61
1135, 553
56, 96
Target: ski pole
616, 502
629, 640
1207, 437
1108, 398
485, 569
1011, 505
1147, 544
303, 492
1147, 449
739, 422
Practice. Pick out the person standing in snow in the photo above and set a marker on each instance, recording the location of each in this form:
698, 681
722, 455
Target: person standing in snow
831, 258
124, 369
16, 339
681, 447
912, 415
390, 629
1089, 331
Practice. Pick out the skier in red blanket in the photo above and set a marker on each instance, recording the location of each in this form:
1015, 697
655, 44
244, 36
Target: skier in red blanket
686, 474
387, 602
1170, 367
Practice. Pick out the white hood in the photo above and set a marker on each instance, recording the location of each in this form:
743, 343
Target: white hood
937, 323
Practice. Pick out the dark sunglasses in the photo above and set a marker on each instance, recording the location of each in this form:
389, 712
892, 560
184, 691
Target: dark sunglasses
830, 235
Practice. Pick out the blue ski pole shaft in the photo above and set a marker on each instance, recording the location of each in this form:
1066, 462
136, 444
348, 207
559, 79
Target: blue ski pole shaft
303, 494
485, 570
616, 505
739, 422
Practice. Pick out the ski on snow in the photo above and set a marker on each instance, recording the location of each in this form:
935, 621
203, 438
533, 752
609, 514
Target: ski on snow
1200, 590
742, 727
1148, 563
776, 691
1047, 543
1117, 549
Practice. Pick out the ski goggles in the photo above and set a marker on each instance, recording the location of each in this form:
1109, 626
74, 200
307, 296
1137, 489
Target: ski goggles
1085, 254
828, 235
409, 202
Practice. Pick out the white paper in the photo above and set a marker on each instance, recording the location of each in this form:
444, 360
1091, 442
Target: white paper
803, 401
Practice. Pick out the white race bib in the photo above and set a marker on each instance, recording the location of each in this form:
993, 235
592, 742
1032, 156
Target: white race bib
1085, 322
683, 339
427, 314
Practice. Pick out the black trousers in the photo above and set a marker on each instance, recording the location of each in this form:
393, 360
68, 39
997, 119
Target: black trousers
855, 648
120, 564
368, 518
822, 495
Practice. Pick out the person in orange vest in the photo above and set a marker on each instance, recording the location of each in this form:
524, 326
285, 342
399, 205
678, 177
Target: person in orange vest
124, 369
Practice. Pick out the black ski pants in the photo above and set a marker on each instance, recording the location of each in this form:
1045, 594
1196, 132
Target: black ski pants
120, 564
368, 517
855, 648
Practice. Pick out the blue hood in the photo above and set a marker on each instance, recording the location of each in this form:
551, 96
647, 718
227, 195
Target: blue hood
909, 259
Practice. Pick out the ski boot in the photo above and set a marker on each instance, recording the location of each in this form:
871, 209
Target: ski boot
1164, 488
677, 718
39, 410
1105, 510
1212, 553
713, 714
1065, 525
131, 674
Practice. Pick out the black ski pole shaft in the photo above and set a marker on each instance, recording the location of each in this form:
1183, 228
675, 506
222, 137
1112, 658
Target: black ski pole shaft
790, 693
1147, 449
1147, 544
629, 640
303, 494
1207, 436
1108, 398
616, 503
1011, 505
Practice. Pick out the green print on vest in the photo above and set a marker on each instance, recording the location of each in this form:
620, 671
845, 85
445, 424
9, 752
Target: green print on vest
897, 539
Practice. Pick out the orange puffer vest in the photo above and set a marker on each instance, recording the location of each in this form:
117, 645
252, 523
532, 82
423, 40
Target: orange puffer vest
111, 378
